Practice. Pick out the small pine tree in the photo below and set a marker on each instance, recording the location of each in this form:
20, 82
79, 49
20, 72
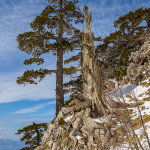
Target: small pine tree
32, 135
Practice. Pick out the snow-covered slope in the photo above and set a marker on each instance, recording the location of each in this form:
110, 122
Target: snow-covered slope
140, 96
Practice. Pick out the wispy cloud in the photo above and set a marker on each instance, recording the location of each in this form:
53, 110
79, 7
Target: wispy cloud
33, 109
1, 128
10, 91
105, 12
16, 17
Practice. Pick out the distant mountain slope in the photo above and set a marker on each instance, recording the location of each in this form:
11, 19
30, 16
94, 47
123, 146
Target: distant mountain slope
6, 144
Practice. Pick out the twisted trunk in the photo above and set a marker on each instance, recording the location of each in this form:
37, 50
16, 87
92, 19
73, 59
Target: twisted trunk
92, 86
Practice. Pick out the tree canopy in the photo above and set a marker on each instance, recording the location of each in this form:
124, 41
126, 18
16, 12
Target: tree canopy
132, 29
52, 31
32, 135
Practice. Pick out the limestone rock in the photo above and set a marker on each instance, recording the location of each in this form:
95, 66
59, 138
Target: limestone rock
139, 65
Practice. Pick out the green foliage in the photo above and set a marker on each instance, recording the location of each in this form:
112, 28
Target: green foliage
123, 63
32, 135
74, 85
61, 121
67, 102
117, 47
73, 58
69, 71
29, 75
133, 19
52, 31
45, 34
26, 148
38, 61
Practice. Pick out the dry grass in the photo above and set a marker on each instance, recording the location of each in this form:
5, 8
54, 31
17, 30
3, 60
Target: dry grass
143, 83
135, 104
137, 122
146, 99
141, 95
143, 107
128, 95
147, 84
144, 78
148, 92
98, 141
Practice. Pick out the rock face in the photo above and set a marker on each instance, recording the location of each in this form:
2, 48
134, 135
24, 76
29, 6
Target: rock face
139, 65
73, 130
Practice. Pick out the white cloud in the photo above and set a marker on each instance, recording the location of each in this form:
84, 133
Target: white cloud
16, 17
10, 91
33, 109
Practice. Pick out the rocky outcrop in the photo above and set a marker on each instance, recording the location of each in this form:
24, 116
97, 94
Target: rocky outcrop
139, 64
76, 130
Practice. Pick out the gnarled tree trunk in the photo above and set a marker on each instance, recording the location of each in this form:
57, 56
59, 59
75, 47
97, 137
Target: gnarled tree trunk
92, 86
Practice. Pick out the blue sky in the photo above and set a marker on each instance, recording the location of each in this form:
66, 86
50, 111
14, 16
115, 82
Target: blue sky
20, 105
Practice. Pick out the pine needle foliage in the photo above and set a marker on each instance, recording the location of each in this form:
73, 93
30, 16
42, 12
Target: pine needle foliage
132, 30
52, 31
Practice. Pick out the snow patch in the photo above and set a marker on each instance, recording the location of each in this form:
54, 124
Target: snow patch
78, 137
134, 91
101, 120
140, 90
68, 118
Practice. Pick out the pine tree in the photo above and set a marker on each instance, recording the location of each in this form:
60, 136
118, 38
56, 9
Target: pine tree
130, 36
32, 135
52, 31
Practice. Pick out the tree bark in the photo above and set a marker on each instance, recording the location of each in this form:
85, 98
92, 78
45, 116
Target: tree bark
92, 86
59, 73
38, 137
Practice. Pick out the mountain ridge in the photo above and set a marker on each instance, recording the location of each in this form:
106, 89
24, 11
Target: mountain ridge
7, 144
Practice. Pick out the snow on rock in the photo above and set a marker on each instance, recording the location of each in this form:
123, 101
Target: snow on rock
132, 89
68, 118
128, 93
78, 137
140, 90
101, 120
